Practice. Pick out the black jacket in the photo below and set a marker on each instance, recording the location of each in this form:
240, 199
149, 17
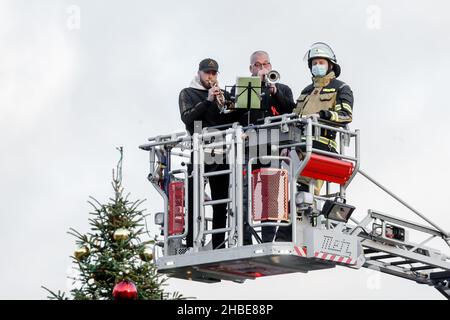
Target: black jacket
194, 106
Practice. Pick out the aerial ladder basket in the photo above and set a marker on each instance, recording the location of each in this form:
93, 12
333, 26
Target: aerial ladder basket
322, 233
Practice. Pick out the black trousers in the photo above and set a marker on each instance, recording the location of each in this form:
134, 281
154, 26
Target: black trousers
219, 190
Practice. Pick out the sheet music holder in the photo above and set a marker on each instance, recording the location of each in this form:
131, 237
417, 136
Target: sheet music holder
248, 94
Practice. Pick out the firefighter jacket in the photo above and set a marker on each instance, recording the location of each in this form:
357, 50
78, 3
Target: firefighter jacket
332, 99
194, 106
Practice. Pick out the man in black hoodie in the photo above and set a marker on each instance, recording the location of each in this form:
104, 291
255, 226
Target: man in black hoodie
199, 102
201, 105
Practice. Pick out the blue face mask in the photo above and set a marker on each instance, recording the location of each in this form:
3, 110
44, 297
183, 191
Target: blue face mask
319, 70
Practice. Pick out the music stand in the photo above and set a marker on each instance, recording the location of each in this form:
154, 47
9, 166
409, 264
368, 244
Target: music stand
248, 95
251, 100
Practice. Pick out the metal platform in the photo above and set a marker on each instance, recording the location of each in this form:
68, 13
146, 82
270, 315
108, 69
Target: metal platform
241, 263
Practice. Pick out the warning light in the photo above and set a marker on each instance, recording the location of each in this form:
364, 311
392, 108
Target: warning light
257, 274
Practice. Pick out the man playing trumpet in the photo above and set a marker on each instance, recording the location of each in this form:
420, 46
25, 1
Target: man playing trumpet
203, 102
277, 98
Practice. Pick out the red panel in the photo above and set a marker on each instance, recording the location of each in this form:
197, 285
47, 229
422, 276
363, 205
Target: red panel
270, 194
328, 169
176, 208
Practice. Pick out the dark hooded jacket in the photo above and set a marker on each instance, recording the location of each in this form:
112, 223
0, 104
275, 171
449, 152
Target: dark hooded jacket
194, 106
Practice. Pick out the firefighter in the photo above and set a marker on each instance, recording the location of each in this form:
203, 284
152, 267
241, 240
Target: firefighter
325, 98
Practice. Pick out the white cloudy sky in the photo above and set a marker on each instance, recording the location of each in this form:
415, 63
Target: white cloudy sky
69, 96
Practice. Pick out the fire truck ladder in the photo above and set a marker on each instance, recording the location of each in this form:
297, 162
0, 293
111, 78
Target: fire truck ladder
388, 249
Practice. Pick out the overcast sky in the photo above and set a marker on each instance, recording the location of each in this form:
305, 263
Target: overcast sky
78, 78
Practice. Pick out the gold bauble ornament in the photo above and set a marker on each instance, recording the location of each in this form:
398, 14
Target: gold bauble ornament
81, 253
121, 234
147, 254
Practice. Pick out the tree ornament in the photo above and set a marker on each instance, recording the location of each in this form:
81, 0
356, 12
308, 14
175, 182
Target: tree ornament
121, 234
147, 254
125, 290
117, 220
81, 253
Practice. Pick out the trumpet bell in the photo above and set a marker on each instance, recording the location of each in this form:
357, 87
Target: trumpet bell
273, 76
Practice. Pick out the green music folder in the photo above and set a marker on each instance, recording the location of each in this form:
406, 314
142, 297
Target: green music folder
243, 89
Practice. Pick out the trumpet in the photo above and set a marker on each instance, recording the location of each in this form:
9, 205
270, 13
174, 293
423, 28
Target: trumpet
272, 77
220, 99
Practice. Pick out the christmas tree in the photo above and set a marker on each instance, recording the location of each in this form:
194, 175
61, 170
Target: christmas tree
112, 261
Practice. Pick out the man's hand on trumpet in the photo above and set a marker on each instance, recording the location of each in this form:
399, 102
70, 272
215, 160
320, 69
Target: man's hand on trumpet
263, 75
213, 93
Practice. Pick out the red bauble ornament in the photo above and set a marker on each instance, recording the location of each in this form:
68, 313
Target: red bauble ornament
125, 290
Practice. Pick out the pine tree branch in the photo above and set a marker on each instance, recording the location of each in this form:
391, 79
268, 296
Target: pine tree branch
96, 201
55, 296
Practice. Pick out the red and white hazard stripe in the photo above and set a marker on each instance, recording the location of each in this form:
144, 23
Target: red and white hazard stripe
301, 251
333, 257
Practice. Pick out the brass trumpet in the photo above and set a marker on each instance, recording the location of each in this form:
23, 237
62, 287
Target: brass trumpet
220, 99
